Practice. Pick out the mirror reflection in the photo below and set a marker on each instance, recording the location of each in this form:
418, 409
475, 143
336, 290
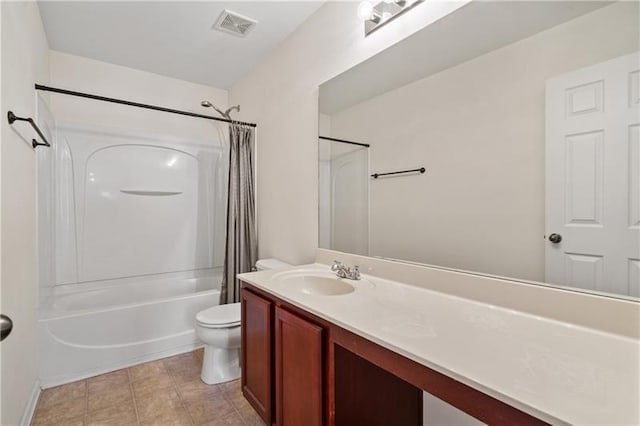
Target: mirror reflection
528, 130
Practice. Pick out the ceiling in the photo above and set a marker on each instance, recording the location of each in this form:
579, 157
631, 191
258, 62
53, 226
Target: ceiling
174, 39
473, 30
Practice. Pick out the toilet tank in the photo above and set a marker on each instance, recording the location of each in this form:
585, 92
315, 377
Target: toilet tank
266, 264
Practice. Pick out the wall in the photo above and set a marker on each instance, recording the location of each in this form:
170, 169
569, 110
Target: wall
281, 94
101, 78
24, 61
481, 138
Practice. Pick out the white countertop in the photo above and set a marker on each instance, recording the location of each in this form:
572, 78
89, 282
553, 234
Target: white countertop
558, 372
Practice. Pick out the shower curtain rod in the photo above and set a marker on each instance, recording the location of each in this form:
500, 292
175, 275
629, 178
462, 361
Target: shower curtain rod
137, 104
344, 141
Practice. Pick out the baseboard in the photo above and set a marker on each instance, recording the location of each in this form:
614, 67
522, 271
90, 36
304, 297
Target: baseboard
27, 416
49, 383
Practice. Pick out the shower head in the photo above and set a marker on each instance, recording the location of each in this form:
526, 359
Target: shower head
208, 104
225, 114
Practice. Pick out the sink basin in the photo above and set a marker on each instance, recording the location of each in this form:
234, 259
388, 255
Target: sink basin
314, 283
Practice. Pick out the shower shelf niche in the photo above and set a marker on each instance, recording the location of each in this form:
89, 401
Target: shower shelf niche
149, 192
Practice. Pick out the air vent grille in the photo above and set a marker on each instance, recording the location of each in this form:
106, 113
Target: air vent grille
234, 23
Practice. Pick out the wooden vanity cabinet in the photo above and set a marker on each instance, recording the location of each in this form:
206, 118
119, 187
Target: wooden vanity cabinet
292, 371
301, 370
257, 350
282, 363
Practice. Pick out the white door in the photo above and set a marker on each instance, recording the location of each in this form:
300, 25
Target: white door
593, 177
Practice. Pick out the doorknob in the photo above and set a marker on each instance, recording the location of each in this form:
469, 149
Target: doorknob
555, 238
6, 325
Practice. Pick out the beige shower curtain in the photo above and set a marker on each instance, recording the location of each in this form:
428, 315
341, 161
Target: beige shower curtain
241, 242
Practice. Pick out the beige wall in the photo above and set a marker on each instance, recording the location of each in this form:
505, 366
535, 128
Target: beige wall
24, 62
281, 94
478, 128
102, 78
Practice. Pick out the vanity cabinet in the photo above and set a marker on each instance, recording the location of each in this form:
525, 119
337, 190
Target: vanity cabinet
282, 363
298, 369
257, 358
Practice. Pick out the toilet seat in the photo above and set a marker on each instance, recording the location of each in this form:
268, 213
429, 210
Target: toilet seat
220, 316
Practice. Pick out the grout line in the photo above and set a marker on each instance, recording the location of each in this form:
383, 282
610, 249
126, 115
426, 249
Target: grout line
175, 386
133, 396
86, 402
224, 394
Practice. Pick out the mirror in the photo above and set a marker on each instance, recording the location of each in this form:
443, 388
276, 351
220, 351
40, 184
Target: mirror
525, 118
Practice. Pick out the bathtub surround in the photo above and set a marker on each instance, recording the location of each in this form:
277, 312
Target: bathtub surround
343, 195
241, 248
119, 323
95, 122
136, 202
24, 61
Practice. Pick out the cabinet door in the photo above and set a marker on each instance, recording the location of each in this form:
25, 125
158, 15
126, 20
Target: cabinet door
298, 371
257, 350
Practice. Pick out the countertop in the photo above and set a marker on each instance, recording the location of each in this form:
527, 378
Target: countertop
559, 372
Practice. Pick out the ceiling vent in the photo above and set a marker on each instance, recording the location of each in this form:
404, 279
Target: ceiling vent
233, 23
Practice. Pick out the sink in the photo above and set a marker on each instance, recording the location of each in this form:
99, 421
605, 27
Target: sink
314, 283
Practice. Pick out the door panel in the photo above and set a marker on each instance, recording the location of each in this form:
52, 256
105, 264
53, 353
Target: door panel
299, 369
257, 378
593, 177
634, 177
584, 179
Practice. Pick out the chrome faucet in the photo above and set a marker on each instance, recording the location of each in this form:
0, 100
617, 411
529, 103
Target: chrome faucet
343, 271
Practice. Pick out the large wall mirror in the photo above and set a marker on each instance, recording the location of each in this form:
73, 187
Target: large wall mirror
525, 118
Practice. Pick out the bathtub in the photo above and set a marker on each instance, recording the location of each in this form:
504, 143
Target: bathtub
93, 328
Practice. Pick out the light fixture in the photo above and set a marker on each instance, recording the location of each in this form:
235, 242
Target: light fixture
365, 9
383, 12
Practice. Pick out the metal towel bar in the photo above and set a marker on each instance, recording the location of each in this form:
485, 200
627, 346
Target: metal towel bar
377, 175
11, 117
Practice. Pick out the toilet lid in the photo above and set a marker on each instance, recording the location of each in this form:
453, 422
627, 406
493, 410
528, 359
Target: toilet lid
220, 315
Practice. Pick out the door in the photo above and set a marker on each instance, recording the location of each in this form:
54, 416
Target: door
257, 378
298, 371
593, 177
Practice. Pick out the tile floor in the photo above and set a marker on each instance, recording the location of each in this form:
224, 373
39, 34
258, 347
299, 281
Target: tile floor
164, 392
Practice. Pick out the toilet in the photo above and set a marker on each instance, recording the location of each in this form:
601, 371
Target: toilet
218, 328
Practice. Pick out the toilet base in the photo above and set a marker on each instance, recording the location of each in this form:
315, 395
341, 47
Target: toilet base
220, 365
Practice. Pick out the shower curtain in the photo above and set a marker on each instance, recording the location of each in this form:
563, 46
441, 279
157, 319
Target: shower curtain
241, 247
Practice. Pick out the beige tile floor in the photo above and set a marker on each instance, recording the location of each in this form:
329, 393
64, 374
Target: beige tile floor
164, 392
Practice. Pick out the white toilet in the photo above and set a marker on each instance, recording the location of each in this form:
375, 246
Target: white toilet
219, 329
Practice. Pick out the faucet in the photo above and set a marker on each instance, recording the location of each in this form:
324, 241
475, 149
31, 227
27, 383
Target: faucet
343, 271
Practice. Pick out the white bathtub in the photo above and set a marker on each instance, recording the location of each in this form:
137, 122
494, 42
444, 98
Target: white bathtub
114, 324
